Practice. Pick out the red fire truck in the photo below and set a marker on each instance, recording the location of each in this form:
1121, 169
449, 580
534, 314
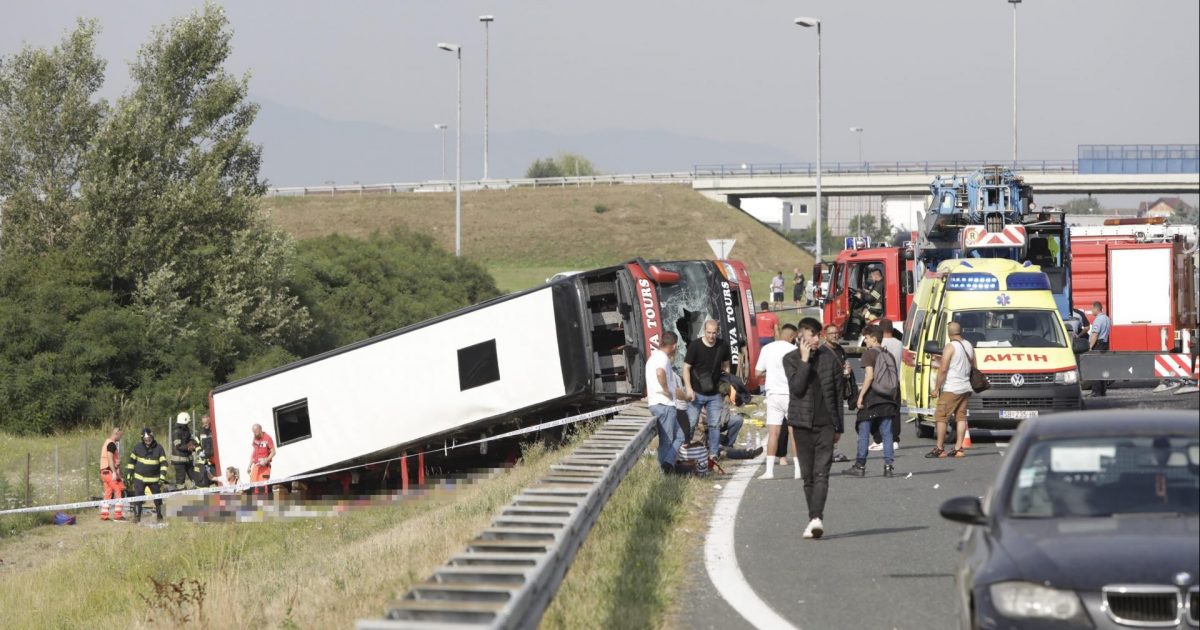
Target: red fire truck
1143, 272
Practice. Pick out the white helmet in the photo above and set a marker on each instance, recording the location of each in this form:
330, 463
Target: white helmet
183, 418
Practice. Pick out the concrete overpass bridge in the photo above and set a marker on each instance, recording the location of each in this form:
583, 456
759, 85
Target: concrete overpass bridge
733, 182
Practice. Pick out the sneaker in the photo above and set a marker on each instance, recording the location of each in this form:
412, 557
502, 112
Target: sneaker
815, 529
782, 462
889, 470
839, 458
895, 446
767, 476
875, 446
857, 470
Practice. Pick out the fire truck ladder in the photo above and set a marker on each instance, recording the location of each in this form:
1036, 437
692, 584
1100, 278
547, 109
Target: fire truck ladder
506, 577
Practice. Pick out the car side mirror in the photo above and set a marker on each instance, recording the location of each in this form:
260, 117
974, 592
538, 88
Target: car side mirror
933, 347
966, 510
1079, 345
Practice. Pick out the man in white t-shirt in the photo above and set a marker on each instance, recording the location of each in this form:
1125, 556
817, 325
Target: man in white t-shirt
661, 392
770, 365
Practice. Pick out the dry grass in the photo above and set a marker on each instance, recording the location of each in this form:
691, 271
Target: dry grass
551, 227
316, 573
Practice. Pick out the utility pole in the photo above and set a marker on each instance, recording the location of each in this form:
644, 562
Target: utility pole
487, 22
1014, 4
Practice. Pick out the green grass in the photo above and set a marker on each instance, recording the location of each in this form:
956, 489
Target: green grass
631, 570
318, 573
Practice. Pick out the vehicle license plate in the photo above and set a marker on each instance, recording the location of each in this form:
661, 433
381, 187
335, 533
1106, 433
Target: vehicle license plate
1018, 414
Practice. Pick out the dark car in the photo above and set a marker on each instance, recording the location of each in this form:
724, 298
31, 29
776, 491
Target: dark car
1093, 522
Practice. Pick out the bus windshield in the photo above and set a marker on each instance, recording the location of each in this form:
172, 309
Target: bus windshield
1018, 328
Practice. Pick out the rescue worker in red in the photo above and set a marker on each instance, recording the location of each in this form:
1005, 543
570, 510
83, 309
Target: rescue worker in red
147, 468
263, 451
110, 476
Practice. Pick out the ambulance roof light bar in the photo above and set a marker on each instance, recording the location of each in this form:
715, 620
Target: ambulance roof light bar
1028, 281
972, 281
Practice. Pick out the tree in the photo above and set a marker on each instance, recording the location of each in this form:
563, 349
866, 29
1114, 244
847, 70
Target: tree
543, 168
575, 165
880, 231
1185, 214
1083, 205
565, 165
48, 117
170, 194
357, 288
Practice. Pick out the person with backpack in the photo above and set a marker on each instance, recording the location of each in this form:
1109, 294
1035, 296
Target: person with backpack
878, 401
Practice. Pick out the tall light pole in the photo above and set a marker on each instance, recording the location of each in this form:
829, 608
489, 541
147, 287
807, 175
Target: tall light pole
457, 50
859, 131
442, 127
1014, 4
808, 22
487, 22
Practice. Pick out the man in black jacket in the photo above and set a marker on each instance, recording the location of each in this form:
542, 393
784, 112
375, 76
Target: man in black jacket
814, 376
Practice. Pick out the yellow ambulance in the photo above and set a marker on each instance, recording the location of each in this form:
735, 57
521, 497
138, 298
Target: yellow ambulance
1008, 314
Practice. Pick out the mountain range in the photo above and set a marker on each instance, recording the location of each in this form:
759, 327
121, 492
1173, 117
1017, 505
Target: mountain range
301, 148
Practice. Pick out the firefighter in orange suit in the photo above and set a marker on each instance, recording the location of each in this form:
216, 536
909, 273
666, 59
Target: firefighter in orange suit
110, 476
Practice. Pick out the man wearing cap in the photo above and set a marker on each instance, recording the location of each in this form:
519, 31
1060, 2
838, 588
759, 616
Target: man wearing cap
182, 446
147, 467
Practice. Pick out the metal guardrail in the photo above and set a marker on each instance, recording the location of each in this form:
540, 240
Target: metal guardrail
507, 576
483, 184
809, 169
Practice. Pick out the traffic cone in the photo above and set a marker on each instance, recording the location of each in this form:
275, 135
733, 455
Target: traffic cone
967, 439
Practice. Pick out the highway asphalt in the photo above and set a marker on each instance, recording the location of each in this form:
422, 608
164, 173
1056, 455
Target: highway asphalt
887, 558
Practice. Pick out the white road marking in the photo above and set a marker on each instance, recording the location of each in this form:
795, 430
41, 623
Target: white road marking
720, 556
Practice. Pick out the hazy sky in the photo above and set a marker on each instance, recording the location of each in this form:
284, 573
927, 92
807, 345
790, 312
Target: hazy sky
927, 80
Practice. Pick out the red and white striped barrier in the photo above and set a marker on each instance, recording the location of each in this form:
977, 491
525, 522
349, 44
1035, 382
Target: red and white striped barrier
977, 236
1172, 366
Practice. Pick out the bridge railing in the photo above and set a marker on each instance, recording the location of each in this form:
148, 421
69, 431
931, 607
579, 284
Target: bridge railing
809, 169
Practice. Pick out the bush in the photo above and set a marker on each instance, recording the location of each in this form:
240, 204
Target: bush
600, 208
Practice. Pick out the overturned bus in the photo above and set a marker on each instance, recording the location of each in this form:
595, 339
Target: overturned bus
575, 343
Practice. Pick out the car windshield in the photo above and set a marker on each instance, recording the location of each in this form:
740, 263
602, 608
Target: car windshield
1093, 477
1018, 328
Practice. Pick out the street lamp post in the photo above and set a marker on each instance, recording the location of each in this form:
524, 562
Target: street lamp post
1014, 4
457, 50
859, 131
442, 127
487, 22
808, 22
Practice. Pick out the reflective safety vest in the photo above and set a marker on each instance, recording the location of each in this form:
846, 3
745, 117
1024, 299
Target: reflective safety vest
147, 464
109, 460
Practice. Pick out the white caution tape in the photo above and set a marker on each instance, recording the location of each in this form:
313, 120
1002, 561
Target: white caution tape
79, 505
